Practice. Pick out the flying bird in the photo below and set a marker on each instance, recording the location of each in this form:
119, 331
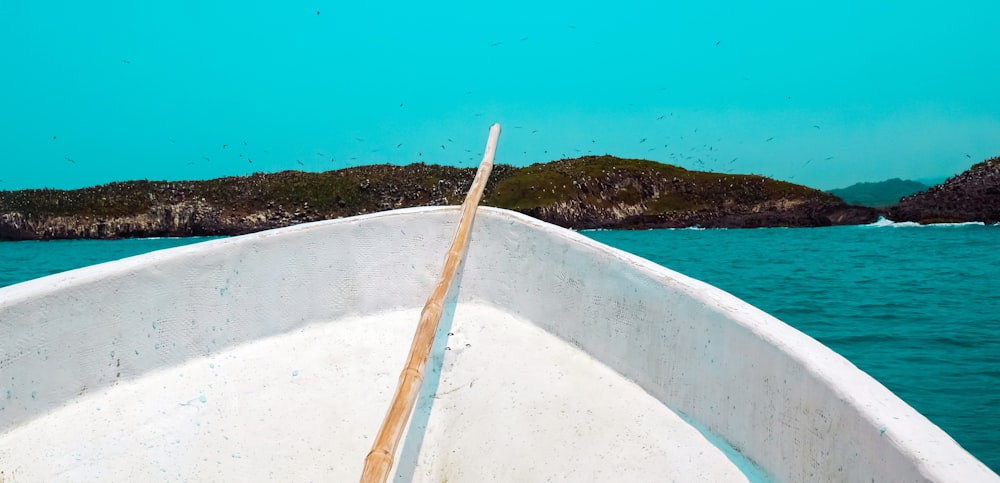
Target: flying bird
642, 140
70, 160
125, 61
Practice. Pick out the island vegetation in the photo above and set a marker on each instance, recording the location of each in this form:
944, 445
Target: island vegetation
580, 193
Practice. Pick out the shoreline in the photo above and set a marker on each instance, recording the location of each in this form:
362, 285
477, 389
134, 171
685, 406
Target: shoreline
591, 192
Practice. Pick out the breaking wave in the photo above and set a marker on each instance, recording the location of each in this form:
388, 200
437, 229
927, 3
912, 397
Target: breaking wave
883, 222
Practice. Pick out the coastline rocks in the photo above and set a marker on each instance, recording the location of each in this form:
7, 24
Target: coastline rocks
581, 193
784, 213
973, 195
609, 192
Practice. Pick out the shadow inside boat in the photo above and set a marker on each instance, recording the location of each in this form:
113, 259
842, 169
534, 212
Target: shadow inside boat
412, 444
410, 454
754, 473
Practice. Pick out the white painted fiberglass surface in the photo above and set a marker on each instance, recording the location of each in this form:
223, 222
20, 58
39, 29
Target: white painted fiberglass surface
505, 401
274, 355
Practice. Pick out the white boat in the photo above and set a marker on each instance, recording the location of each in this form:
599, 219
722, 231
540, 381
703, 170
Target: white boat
273, 356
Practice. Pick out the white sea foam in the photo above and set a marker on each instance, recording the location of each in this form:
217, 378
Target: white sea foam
883, 221
967, 223
179, 237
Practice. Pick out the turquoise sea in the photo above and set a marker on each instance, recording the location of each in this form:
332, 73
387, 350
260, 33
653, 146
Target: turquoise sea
917, 307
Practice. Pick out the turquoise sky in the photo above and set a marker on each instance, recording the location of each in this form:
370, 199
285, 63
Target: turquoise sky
823, 94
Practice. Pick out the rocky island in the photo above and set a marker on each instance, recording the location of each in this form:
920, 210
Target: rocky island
973, 195
580, 193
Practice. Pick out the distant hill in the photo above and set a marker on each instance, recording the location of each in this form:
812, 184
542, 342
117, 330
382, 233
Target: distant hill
931, 181
880, 194
588, 192
973, 195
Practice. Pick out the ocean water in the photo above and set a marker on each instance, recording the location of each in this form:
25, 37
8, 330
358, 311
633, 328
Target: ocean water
26, 260
917, 307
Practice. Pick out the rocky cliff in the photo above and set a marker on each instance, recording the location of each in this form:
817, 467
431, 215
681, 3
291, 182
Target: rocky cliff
589, 192
609, 192
973, 195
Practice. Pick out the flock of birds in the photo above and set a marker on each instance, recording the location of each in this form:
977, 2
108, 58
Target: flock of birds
680, 151
704, 156
696, 151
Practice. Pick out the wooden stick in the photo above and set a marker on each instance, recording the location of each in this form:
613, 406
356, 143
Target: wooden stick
379, 461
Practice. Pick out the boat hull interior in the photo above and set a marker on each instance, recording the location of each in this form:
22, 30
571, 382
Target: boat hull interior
275, 355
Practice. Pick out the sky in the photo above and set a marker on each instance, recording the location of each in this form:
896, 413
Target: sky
824, 94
